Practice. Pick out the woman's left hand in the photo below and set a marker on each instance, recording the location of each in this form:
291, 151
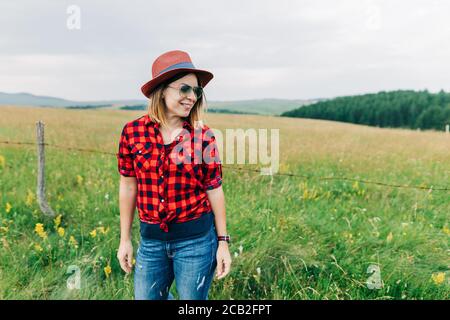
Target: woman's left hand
223, 260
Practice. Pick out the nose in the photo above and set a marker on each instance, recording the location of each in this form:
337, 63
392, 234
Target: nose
192, 98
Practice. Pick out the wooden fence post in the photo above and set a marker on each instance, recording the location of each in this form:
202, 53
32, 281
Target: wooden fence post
45, 208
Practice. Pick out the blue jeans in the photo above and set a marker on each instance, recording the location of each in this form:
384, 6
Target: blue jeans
191, 262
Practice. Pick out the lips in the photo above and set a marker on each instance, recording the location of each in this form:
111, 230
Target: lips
187, 107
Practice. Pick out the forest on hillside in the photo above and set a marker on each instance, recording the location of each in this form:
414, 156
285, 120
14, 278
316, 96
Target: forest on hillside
402, 108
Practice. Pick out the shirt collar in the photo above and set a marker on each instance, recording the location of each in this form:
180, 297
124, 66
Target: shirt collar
150, 121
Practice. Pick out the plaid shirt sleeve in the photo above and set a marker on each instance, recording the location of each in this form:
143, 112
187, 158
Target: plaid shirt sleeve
124, 156
211, 165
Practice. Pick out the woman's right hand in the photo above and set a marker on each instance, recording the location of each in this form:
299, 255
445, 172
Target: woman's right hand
125, 255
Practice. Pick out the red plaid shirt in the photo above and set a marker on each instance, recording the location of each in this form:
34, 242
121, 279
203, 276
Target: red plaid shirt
170, 187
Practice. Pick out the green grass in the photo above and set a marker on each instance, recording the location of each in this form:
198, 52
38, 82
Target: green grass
310, 239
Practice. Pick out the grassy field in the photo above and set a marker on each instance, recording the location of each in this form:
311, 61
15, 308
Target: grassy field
292, 238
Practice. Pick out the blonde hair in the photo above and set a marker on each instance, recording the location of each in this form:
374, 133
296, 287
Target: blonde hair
157, 108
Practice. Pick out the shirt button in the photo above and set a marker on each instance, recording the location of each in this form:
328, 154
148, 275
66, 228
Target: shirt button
162, 200
162, 176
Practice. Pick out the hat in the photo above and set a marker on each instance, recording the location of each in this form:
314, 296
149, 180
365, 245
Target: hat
168, 65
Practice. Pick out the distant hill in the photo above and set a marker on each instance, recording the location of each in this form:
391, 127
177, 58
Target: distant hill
260, 106
213, 110
401, 108
28, 99
257, 106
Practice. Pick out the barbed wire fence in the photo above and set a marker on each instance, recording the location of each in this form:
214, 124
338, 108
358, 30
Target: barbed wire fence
283, 174
47, 210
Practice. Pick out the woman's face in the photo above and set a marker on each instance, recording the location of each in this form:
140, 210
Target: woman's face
178, 105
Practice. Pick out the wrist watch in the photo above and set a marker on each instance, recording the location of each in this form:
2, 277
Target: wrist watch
226, 238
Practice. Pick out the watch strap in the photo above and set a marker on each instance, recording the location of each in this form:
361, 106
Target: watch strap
226, 238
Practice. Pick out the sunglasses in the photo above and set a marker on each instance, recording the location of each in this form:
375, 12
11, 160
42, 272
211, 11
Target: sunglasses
186, 90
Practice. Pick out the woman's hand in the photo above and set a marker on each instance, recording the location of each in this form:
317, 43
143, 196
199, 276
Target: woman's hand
125, 255
223, 260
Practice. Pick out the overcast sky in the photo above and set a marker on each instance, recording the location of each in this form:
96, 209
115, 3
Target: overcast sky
297, 49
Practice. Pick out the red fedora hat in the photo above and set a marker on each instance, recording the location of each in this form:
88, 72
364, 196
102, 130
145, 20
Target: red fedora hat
168, 65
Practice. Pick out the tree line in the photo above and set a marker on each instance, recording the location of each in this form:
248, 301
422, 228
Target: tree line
401, 108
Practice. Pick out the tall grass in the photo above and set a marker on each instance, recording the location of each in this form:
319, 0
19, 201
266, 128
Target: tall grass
292, 238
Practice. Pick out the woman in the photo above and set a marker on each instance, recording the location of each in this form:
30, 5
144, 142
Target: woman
179, 198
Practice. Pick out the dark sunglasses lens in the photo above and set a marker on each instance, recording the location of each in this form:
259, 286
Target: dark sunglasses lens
186, 89
198, 92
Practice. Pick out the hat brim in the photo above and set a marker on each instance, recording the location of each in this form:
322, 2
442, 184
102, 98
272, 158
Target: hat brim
203, 75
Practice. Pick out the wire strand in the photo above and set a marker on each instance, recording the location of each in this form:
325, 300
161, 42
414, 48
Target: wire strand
286, 174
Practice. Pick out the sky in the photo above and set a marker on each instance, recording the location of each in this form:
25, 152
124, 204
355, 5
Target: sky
285, 49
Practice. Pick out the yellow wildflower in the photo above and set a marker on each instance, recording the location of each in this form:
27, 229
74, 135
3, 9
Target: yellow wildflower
2, 161
134, 261
30, 198
38, 247
79, 179
39, 229
348, 236
282, 222
5, 243
107, 270
307, 194
102, 230
438, 278
389, 237
446, 230
61, 231
73, 242
93, 233
57, 221
8, 207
